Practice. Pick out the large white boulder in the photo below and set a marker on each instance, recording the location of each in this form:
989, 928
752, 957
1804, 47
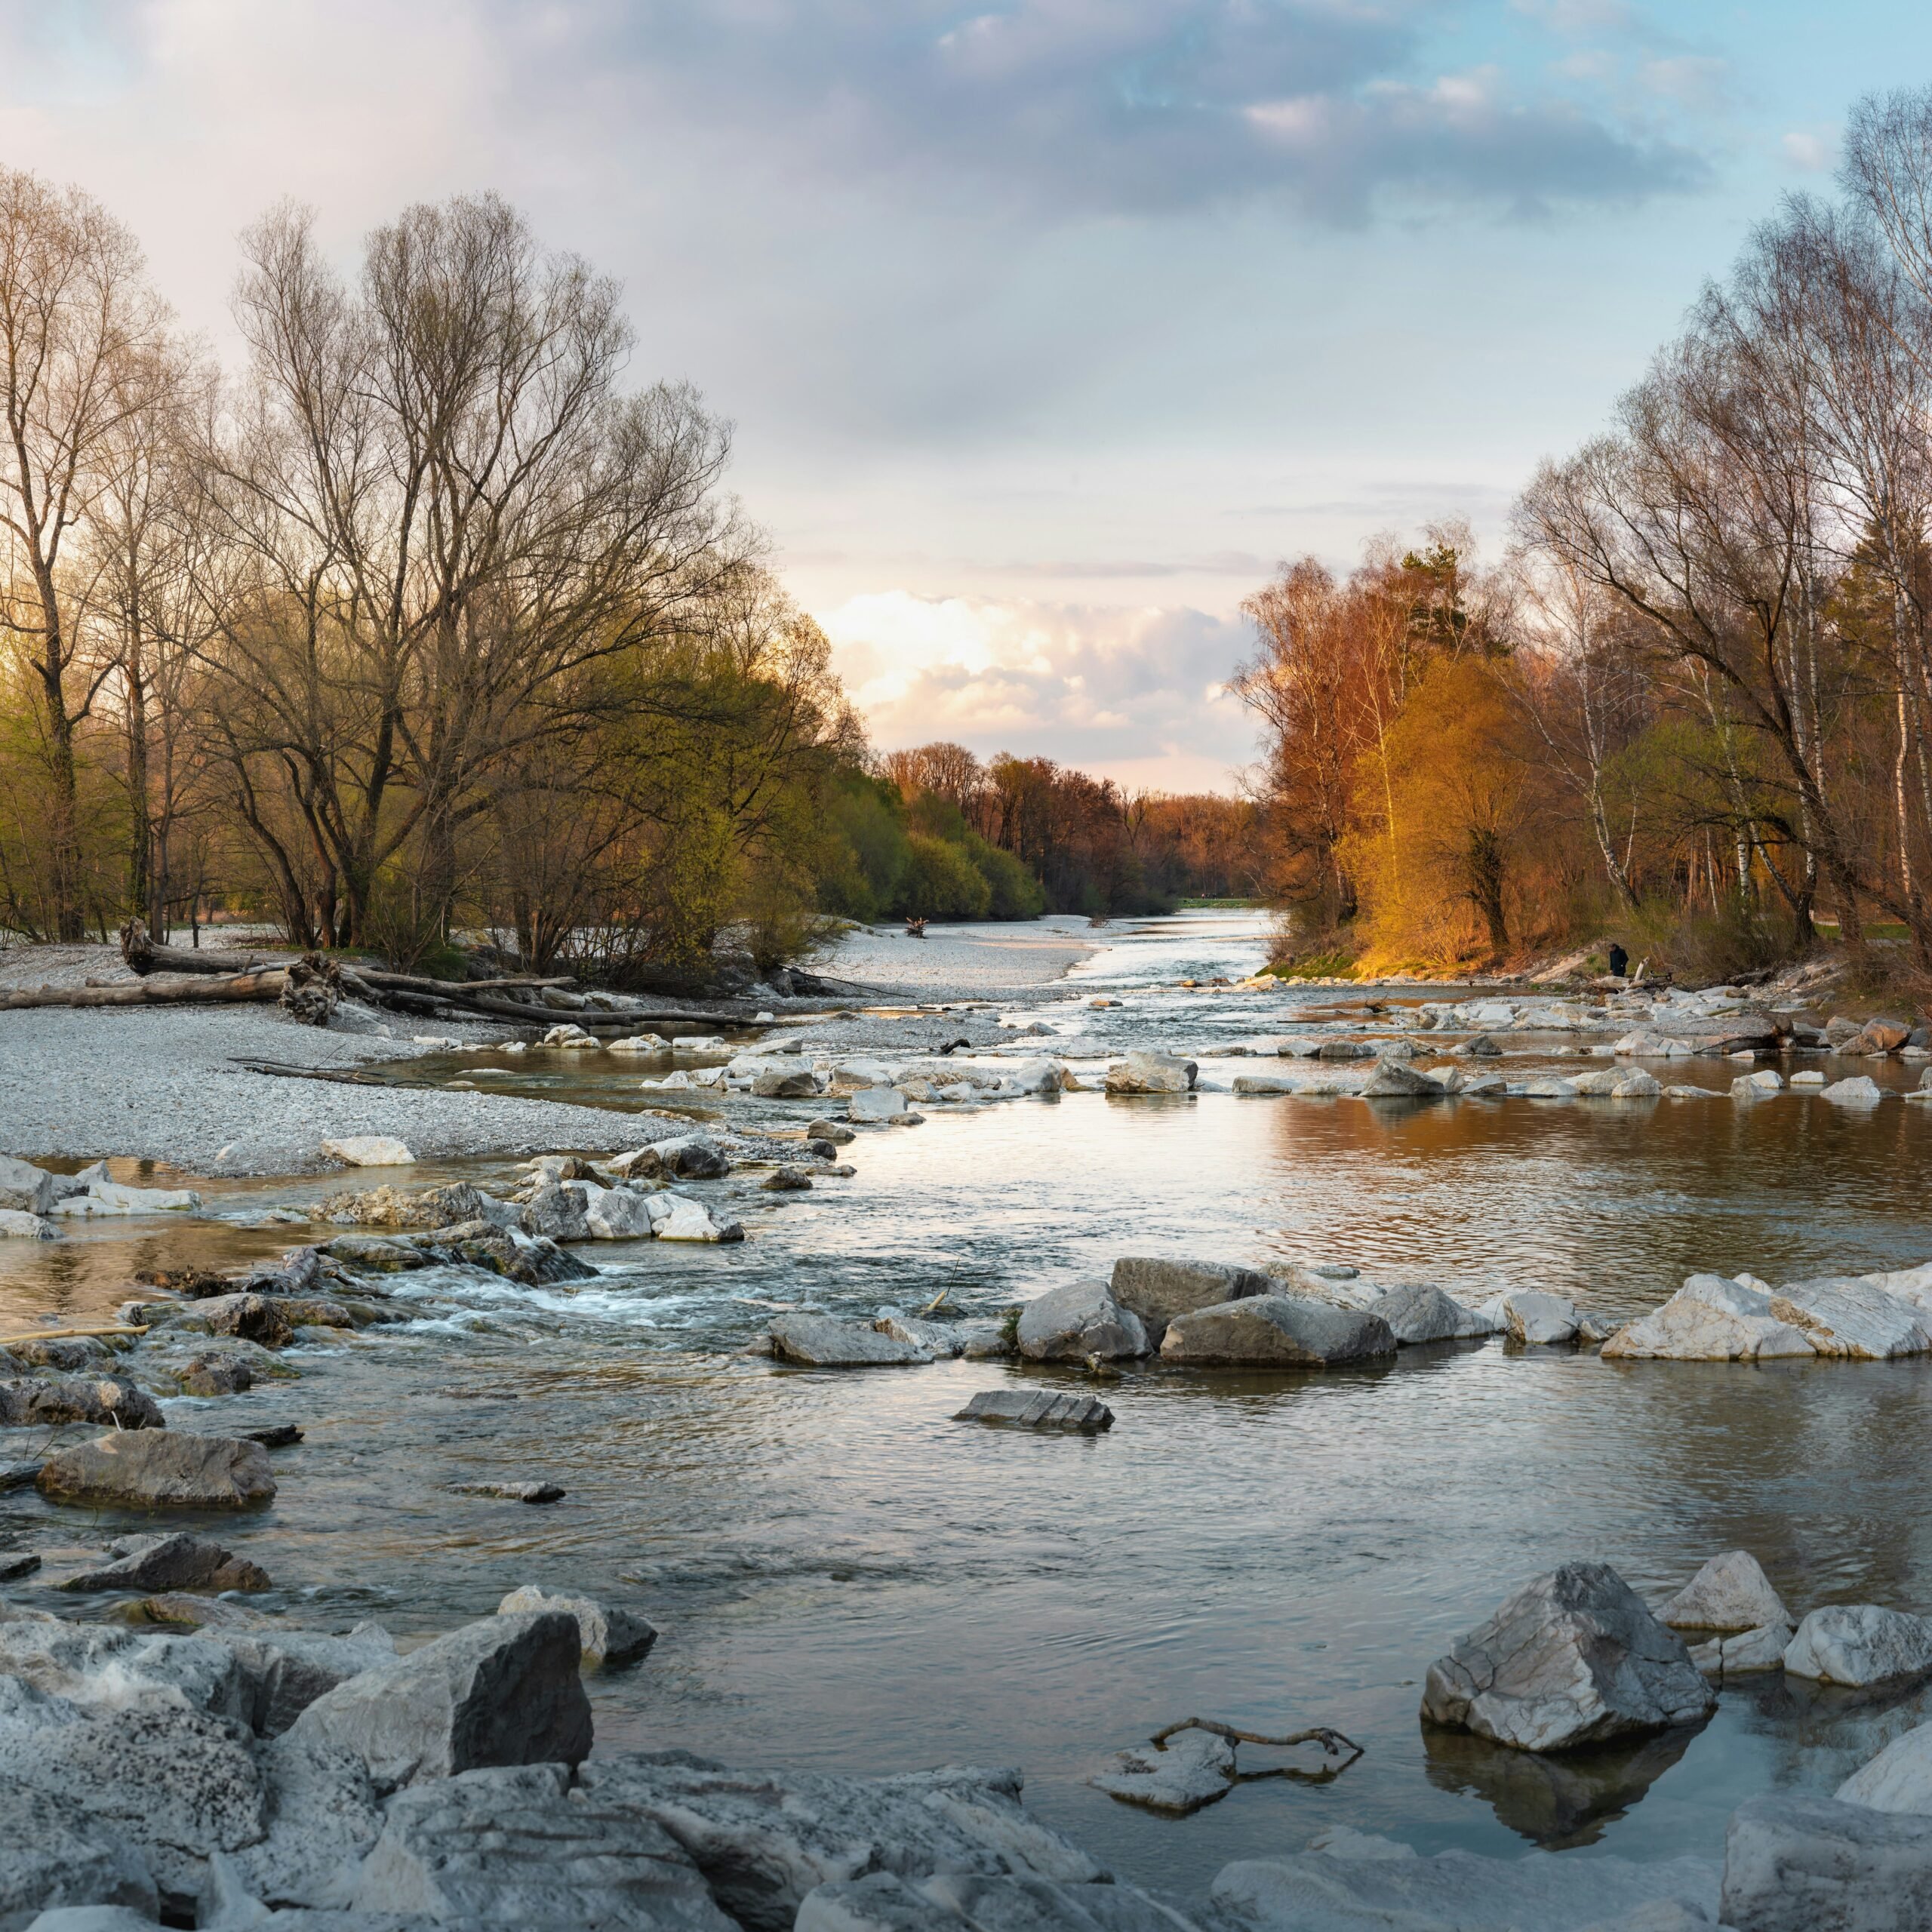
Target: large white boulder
876, 1103
1860, 1644
25, 1188
1574, 1657
1730, 1592
109, 1197
1535, 1317
1709, 1319
617, 1214
678, 1217
1860, 1091
1848, 1316
1796, 1863
17, 1224
1898, 1778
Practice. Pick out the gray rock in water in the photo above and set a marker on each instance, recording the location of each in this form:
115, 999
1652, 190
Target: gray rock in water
514, 1846
1794, 1863
1746, 1653
32, 1404
25, 1189
819, 1341
1730, 1592
161, 1469
1574, 1658
764, 1840
16, 1564
558, 1212
786, 1179
1420, 1312
968, 1902
694, 1157
533, 1490
213, 1373
1860, 1644
503, 1690
1076, 1320
1151, 1073
1037, 1408
936, 1338
1158, 1289
1898, 1778
1390, 1081
174, 1563
52, 1857
67, 1354
875, 1103
1458, 1891
1267, 1331
1192, 1769
1344, 1049
794, 1084
609, 1636
839, 1137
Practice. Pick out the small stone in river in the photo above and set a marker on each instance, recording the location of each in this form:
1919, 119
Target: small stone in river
1151, 1073
513, 1492
1859, 1644
822, 1341
1031, 1408
788, 1180
1078, 1319
1536, 1318
214, 1375
793, 1084
1194, 1768
199, 1613
1862, 1091
20, 1476
1265, 1331
277, 1435
16, 1564
610, 1637
876, 1103
370, 1150
831, 1130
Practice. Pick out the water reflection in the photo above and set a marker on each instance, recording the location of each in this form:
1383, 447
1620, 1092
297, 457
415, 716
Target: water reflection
1555, 1802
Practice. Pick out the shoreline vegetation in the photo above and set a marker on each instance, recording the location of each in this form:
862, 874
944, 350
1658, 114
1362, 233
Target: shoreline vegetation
1688, 711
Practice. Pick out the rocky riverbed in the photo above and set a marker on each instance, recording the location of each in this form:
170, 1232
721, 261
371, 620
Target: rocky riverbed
847, 1583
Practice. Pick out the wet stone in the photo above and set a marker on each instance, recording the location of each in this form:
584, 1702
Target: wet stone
1037, 1409
513, 1492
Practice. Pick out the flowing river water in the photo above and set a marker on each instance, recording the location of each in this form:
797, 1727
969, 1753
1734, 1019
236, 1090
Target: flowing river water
845, 1577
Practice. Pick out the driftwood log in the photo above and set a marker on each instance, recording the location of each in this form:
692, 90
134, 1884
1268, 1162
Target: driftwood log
146, 955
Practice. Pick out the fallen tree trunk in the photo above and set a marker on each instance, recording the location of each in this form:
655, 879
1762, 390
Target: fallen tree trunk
146, 955
307, 988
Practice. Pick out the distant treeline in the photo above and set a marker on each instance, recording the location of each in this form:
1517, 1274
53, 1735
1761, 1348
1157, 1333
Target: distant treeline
934, 832
1690, 708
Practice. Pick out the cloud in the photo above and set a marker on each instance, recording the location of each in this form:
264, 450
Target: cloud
1068, 109
1811, 152
1124, 693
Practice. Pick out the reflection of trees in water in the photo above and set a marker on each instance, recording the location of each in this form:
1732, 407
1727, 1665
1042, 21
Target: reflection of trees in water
1553, 1800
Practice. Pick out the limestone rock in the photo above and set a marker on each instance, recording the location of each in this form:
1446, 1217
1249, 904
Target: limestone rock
1860, 1644
939, 1338
558, 1212
607, 1635
1536, 1318
17, 1225
287, 1670
822, 1341
34, 1403
970, 1901
1157, 1289
52, 1856
1421, 1312
514, 1846
1709, 1319
174, 1563
369, 1150
764, 1840
875, 1103
1759, 1086
1458, 1891
214, 1373
504, 1691
831, 1130
1730, 1592
791, 1083
1078, 1319
161, 1469
1151, 1073
1275, 1330
1029, 1408
1574, 1658
1853, 1316
1391, 1081
786, 1179
321, 1815
24, 1187
694, 1157
678, 1217
1192, 1769
532, 1489
1794, 1863
1898, 1778
617, 1214
1860, 1091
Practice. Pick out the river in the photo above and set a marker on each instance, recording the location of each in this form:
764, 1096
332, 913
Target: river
845, 1577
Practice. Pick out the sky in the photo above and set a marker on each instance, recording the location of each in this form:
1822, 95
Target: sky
1048, 327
